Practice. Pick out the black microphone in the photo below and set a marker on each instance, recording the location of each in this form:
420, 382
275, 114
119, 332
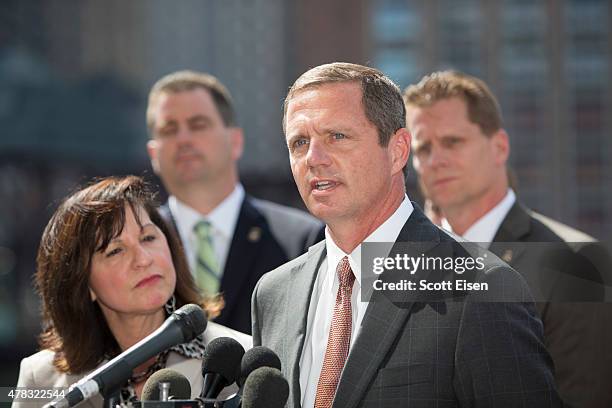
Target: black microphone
265, 388
181, 327
179, 386
258, 356
221, 359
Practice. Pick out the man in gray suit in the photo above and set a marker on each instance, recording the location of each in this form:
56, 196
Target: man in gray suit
460, 154
348, 146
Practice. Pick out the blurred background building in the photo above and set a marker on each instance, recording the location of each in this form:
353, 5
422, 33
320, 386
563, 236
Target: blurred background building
549, 63
74, 76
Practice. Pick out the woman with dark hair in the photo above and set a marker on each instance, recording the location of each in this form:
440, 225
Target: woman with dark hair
109, 272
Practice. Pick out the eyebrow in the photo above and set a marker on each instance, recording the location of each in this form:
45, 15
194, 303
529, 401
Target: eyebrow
159, 125
326, 130
336, 129
150, 224
293, 138
199, 118
117, 239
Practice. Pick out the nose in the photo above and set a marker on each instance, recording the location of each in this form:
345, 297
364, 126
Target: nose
183, 134
437, 158
142, 257
317, 154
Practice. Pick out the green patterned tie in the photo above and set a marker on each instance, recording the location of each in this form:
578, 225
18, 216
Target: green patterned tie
207, 268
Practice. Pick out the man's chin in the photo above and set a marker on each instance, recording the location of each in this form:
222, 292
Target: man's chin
445, 202
187, 178
323, 211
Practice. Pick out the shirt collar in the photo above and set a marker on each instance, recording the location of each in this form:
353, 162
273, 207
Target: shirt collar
223, 217
484, 230
388, 231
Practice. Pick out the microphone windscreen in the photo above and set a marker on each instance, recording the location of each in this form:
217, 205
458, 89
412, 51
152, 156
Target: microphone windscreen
193, 321
258, 356
179, 385
265, 388
222, 356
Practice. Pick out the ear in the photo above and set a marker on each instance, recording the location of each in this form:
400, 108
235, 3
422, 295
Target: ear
152, 147
501, 146
237, 141
399, 147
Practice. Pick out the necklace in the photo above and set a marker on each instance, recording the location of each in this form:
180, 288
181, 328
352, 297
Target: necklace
159, 363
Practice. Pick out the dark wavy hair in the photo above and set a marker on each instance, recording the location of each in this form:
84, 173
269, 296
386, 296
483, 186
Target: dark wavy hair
85, 223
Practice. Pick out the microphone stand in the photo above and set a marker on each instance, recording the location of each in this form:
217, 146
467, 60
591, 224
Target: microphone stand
112, 400
233, 401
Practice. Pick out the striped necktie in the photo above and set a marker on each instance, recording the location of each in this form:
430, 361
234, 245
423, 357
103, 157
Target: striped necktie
207, 268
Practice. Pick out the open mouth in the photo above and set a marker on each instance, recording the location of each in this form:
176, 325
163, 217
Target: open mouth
324, 185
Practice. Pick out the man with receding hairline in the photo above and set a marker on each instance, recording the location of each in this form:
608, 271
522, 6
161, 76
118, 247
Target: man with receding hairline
348, 146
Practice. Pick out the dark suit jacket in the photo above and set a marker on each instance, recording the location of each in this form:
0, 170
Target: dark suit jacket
578, 335
441, 354
266, 236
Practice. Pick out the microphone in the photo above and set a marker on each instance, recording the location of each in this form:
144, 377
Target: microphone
254, 358
258, 356
265, 388
180, 389
219, 365
181, 327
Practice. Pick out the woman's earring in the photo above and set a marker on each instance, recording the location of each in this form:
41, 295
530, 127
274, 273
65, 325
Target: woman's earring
170, 305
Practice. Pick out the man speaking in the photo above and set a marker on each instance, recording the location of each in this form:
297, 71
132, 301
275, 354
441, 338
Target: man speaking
345, 130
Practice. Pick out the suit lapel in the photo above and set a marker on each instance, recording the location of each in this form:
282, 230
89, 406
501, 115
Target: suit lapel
383, 320
167, 216
299, 293
247, 236
515, 227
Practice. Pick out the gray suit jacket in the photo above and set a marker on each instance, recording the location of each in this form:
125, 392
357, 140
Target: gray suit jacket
37, 370
416, 353
578, 335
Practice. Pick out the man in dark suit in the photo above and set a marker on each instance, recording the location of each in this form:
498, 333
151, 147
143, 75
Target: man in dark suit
230, 238
348, 146
460, 154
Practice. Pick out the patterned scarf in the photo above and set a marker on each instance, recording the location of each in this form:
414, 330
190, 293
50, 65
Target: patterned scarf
193, 349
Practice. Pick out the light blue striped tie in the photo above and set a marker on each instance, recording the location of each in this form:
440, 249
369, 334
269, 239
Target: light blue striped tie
207, 268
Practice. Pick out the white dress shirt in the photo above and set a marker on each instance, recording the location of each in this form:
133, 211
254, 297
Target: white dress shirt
323, 299
222, 218
483, 231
